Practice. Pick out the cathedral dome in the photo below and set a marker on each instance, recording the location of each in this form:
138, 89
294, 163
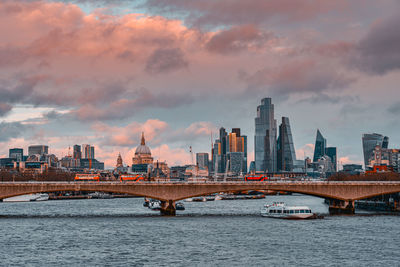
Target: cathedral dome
143, 149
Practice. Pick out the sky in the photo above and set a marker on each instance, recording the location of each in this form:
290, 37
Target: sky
101, 72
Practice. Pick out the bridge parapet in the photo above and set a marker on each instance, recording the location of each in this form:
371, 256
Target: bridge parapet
174, 191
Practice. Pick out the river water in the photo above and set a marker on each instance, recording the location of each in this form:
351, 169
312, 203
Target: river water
121, 232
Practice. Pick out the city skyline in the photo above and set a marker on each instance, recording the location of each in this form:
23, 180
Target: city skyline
77, 74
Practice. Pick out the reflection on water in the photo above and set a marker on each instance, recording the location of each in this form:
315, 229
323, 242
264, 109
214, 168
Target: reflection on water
123, 232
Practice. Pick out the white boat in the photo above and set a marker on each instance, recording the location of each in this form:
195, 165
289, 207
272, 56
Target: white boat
217, 197
199, 199
27, 198
42, 197
155, 205
280, 210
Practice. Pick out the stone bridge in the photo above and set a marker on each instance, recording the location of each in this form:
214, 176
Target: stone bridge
340, 194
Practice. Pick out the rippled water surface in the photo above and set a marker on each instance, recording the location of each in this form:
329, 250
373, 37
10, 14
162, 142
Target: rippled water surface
121, 232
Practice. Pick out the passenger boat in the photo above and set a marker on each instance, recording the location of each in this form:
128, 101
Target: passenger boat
146, 202
27, 198
280, 210
179, 206
155, 205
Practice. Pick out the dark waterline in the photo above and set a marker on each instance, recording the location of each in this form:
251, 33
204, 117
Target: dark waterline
120, 232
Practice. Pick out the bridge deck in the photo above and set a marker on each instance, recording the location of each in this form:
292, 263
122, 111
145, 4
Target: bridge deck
347, 191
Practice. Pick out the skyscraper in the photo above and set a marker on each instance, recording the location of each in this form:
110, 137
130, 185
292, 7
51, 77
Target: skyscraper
265, 137
320, 147
369, 142
286, 154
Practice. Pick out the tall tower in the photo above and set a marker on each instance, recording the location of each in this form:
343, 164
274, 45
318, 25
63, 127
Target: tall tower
369, 142
320, 146
119, 161
286, 153
265, 137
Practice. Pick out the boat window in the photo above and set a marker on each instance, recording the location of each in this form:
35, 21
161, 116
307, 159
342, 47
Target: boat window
301, 211
279, 211
291, 211
297, 211
285, 211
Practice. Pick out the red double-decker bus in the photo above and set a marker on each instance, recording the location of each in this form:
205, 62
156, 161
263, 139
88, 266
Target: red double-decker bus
87, 177
256, 178
131, 178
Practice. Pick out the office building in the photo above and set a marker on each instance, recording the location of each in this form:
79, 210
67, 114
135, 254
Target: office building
320, 147
17, 154
236, 147
265, 137
77, 154
369, 142
202, 160
385, 157
286, 157
88, 151
331, 152
219, 153
226, 153
38, 150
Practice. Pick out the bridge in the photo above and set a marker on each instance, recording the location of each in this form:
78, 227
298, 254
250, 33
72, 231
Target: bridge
341, 195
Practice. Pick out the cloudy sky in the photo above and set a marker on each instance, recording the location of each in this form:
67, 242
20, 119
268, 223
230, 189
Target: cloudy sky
101, 72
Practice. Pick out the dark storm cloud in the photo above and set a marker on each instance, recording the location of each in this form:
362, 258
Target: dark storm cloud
166, 60
134, 102
300, 76
10, 130
236, 12
237, 38
18, 92
379, 51
328, 99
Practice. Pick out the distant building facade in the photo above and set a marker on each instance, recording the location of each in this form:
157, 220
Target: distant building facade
38, 150
77, 153
17, 154
202, 160
229, 153
88, 151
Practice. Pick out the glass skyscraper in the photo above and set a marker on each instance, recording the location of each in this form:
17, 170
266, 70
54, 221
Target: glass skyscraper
265, 137
320, 147
286, 153
369, 142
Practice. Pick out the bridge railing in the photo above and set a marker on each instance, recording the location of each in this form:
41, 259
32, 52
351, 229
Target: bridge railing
208, 182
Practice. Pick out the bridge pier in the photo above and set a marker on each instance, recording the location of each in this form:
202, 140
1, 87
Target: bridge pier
337, 207
168, 208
